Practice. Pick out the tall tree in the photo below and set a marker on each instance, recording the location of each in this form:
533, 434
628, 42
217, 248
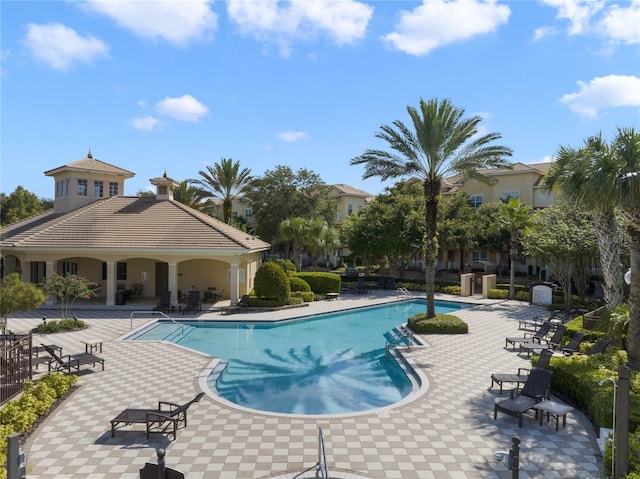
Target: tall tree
515, 217
582, 176
563, 238
626, 187
297, 230
188, 193
225, 181
440, 141
19, 205
458, 225
282, 193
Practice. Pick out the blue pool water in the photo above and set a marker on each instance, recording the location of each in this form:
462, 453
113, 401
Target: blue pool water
326, 364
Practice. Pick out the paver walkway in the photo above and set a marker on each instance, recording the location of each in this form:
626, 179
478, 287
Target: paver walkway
448, 432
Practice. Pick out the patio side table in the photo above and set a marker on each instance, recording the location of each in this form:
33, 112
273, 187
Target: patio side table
554, 409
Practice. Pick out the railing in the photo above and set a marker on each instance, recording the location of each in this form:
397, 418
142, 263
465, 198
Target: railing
15, 364
403, 292
397, 338
158, 312
321, 468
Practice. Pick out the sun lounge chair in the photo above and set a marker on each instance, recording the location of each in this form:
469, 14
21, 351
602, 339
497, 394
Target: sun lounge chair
535, 389
243, 303
165, 302
552, 343
169, 417
194, 303
600, 347
528, 337
72, 362
41, 356
574, 344
523, 373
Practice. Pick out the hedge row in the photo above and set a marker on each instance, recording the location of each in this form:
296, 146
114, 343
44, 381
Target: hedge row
439, 324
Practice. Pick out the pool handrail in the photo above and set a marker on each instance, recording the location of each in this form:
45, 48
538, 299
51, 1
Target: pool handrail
158, 312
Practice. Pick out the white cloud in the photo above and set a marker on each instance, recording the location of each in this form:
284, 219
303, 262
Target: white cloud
602, 93
542, 32
622, 24
436, 23
176, 22
185, 108
290, 136
280, 22
578, 12
147, 123
61, 47
613, 22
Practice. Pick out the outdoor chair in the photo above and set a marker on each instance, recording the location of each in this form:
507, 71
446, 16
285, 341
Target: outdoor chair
165, 302
41, 356
535, 389
362, 287
169, 417
555, 342
194, 303
600, 347
536, 337
574, 344
136, 290
72, 362
523, 373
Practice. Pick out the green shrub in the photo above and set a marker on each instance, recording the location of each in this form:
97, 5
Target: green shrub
523, 295
498, 294
452, 290
439, 324
321, 283
307, 296
633, 456
19, 415
575, 325
517, 287
271, 282
55, 326
294, 300
255, 302
286, 264
298, 284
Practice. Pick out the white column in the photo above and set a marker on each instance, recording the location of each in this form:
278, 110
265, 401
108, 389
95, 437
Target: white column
51, 268
26, 271
234, 283
111, 283
173, 282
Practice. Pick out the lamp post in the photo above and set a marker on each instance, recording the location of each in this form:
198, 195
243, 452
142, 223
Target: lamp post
613, 432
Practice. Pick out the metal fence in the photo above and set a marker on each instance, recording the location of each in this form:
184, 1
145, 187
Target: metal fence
16, 365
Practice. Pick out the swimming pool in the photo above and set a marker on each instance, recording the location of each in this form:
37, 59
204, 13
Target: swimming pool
332, 363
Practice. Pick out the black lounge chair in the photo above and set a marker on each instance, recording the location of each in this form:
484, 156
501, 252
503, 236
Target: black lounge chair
574, 344
600, 347
536, 337
555, 342
194, 303
169, 417
70, 363
523, 373
41, 356
165, 302
362, 287
535, 389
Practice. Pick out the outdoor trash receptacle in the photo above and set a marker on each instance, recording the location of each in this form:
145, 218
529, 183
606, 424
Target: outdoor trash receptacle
120, 298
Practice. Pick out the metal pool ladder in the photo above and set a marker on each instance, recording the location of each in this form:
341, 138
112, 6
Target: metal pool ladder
322, 471
401, 335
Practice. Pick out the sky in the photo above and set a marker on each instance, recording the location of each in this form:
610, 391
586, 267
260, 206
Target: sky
175, 86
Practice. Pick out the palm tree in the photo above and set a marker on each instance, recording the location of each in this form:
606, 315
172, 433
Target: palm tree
584, 176
225, 181
442, 142
188, 194
298, 231
513, 216
627, 189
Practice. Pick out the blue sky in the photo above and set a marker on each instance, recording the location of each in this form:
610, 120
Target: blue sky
177, 85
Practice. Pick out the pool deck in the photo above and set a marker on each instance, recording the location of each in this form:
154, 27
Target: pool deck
448, 432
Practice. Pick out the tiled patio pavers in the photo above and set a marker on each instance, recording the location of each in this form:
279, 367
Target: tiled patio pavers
449, 432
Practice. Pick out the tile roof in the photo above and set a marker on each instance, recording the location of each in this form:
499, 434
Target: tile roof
350, 190
130, 223
90, 164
